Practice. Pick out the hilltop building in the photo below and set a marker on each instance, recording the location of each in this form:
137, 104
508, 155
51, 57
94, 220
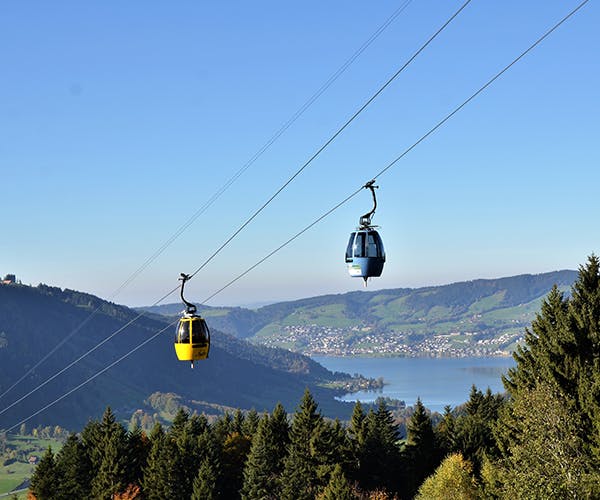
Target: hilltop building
9, 279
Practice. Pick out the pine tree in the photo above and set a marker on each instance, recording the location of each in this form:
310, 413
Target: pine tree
560, 360
268, 451
474, 430
338, 487
421, 452
280, 431
237, 423
179, 422
233, 457
205, 482
44, 480
445, 432
379, 458
73, 470
356, 429
138, 447
111, 456
250, 423
155, 479
222, 427
260, 471
299, 478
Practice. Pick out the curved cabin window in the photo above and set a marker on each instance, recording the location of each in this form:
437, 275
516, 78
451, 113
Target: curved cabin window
349, 248
374, 245
183, 333
359, 245
199, 332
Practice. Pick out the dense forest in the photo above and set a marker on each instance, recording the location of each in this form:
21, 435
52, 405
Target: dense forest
540, 440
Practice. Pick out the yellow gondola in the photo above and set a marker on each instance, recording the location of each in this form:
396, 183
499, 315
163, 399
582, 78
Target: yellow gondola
192, 337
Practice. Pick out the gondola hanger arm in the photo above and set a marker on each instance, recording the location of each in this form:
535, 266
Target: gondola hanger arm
190, 308
365, 220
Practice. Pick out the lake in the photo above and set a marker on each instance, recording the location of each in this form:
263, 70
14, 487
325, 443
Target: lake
437, 381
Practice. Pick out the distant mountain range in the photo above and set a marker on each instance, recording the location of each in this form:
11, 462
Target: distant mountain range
473, 318
33, 320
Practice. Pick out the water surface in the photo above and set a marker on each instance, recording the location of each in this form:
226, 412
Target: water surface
437, 381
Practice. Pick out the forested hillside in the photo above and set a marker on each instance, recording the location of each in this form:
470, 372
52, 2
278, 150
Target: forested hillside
34, 320
540, 442
474, 318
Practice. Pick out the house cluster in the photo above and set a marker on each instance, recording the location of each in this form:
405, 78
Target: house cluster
329, 341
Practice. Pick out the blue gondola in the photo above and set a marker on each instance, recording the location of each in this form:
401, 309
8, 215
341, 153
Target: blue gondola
365, 254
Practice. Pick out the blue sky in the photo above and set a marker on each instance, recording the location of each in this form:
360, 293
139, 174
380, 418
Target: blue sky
119, 120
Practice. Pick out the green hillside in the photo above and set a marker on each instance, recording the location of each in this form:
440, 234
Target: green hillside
475, 318
34, 320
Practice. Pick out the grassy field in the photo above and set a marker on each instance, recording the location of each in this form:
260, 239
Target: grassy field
19, 449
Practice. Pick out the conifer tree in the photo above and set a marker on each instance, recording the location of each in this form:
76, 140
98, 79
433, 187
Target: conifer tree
379, 458
73, 470
205, 482
111, 458
299, 478
44, 480
559, 359
155, 478
237, 423
111, 477
197, 424
138, 447
474, 430
179, 422
280, 430
356, 429
233, 457
268, 451
338, 487
250, 423
222, 428
421, 452
445, 432
260, 471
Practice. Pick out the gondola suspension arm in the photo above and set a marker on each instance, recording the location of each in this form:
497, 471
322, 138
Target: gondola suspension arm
365, 220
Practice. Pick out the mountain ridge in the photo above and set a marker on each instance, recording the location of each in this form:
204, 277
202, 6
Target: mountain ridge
488, 316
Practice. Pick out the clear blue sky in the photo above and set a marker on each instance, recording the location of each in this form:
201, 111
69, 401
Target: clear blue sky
118, 120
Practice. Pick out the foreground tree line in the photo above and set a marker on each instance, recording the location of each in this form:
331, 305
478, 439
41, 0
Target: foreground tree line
540, 441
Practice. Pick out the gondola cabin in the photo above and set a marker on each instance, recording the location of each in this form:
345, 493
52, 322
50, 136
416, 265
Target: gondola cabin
192, 339
365, 254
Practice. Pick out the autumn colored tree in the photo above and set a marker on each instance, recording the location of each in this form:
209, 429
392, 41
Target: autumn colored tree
452, 479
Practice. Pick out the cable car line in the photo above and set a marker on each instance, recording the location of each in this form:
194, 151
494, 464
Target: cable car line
341, 70
406, 151
482, 88
91, 377
262, 207
384, 170
286, 243
87, 353
333, 137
